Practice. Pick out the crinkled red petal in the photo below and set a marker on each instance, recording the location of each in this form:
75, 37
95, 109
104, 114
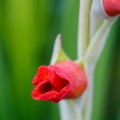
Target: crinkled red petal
43, 73
46, 91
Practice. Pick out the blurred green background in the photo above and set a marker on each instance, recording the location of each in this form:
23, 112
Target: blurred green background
27, 32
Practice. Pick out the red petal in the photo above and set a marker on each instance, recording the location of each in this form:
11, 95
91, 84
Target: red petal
59, 83
35, 80
45, 91
43, 73
42, 88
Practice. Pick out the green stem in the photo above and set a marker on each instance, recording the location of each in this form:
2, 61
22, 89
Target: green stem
89, 68
83, 27
93, 53
72, 109
98, 42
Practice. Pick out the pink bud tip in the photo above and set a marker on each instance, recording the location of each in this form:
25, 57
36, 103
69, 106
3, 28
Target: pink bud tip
60, 81
111, 7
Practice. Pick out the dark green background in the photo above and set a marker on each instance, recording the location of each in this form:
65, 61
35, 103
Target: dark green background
27, 32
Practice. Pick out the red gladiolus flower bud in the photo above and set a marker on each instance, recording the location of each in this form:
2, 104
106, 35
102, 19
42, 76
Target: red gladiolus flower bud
111, 7
59, 81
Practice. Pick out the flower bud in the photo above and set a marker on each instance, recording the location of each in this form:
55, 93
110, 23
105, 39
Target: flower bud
63, 80
111, 7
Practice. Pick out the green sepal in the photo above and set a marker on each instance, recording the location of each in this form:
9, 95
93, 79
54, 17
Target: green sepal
58, 54
62, 56
80, 63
